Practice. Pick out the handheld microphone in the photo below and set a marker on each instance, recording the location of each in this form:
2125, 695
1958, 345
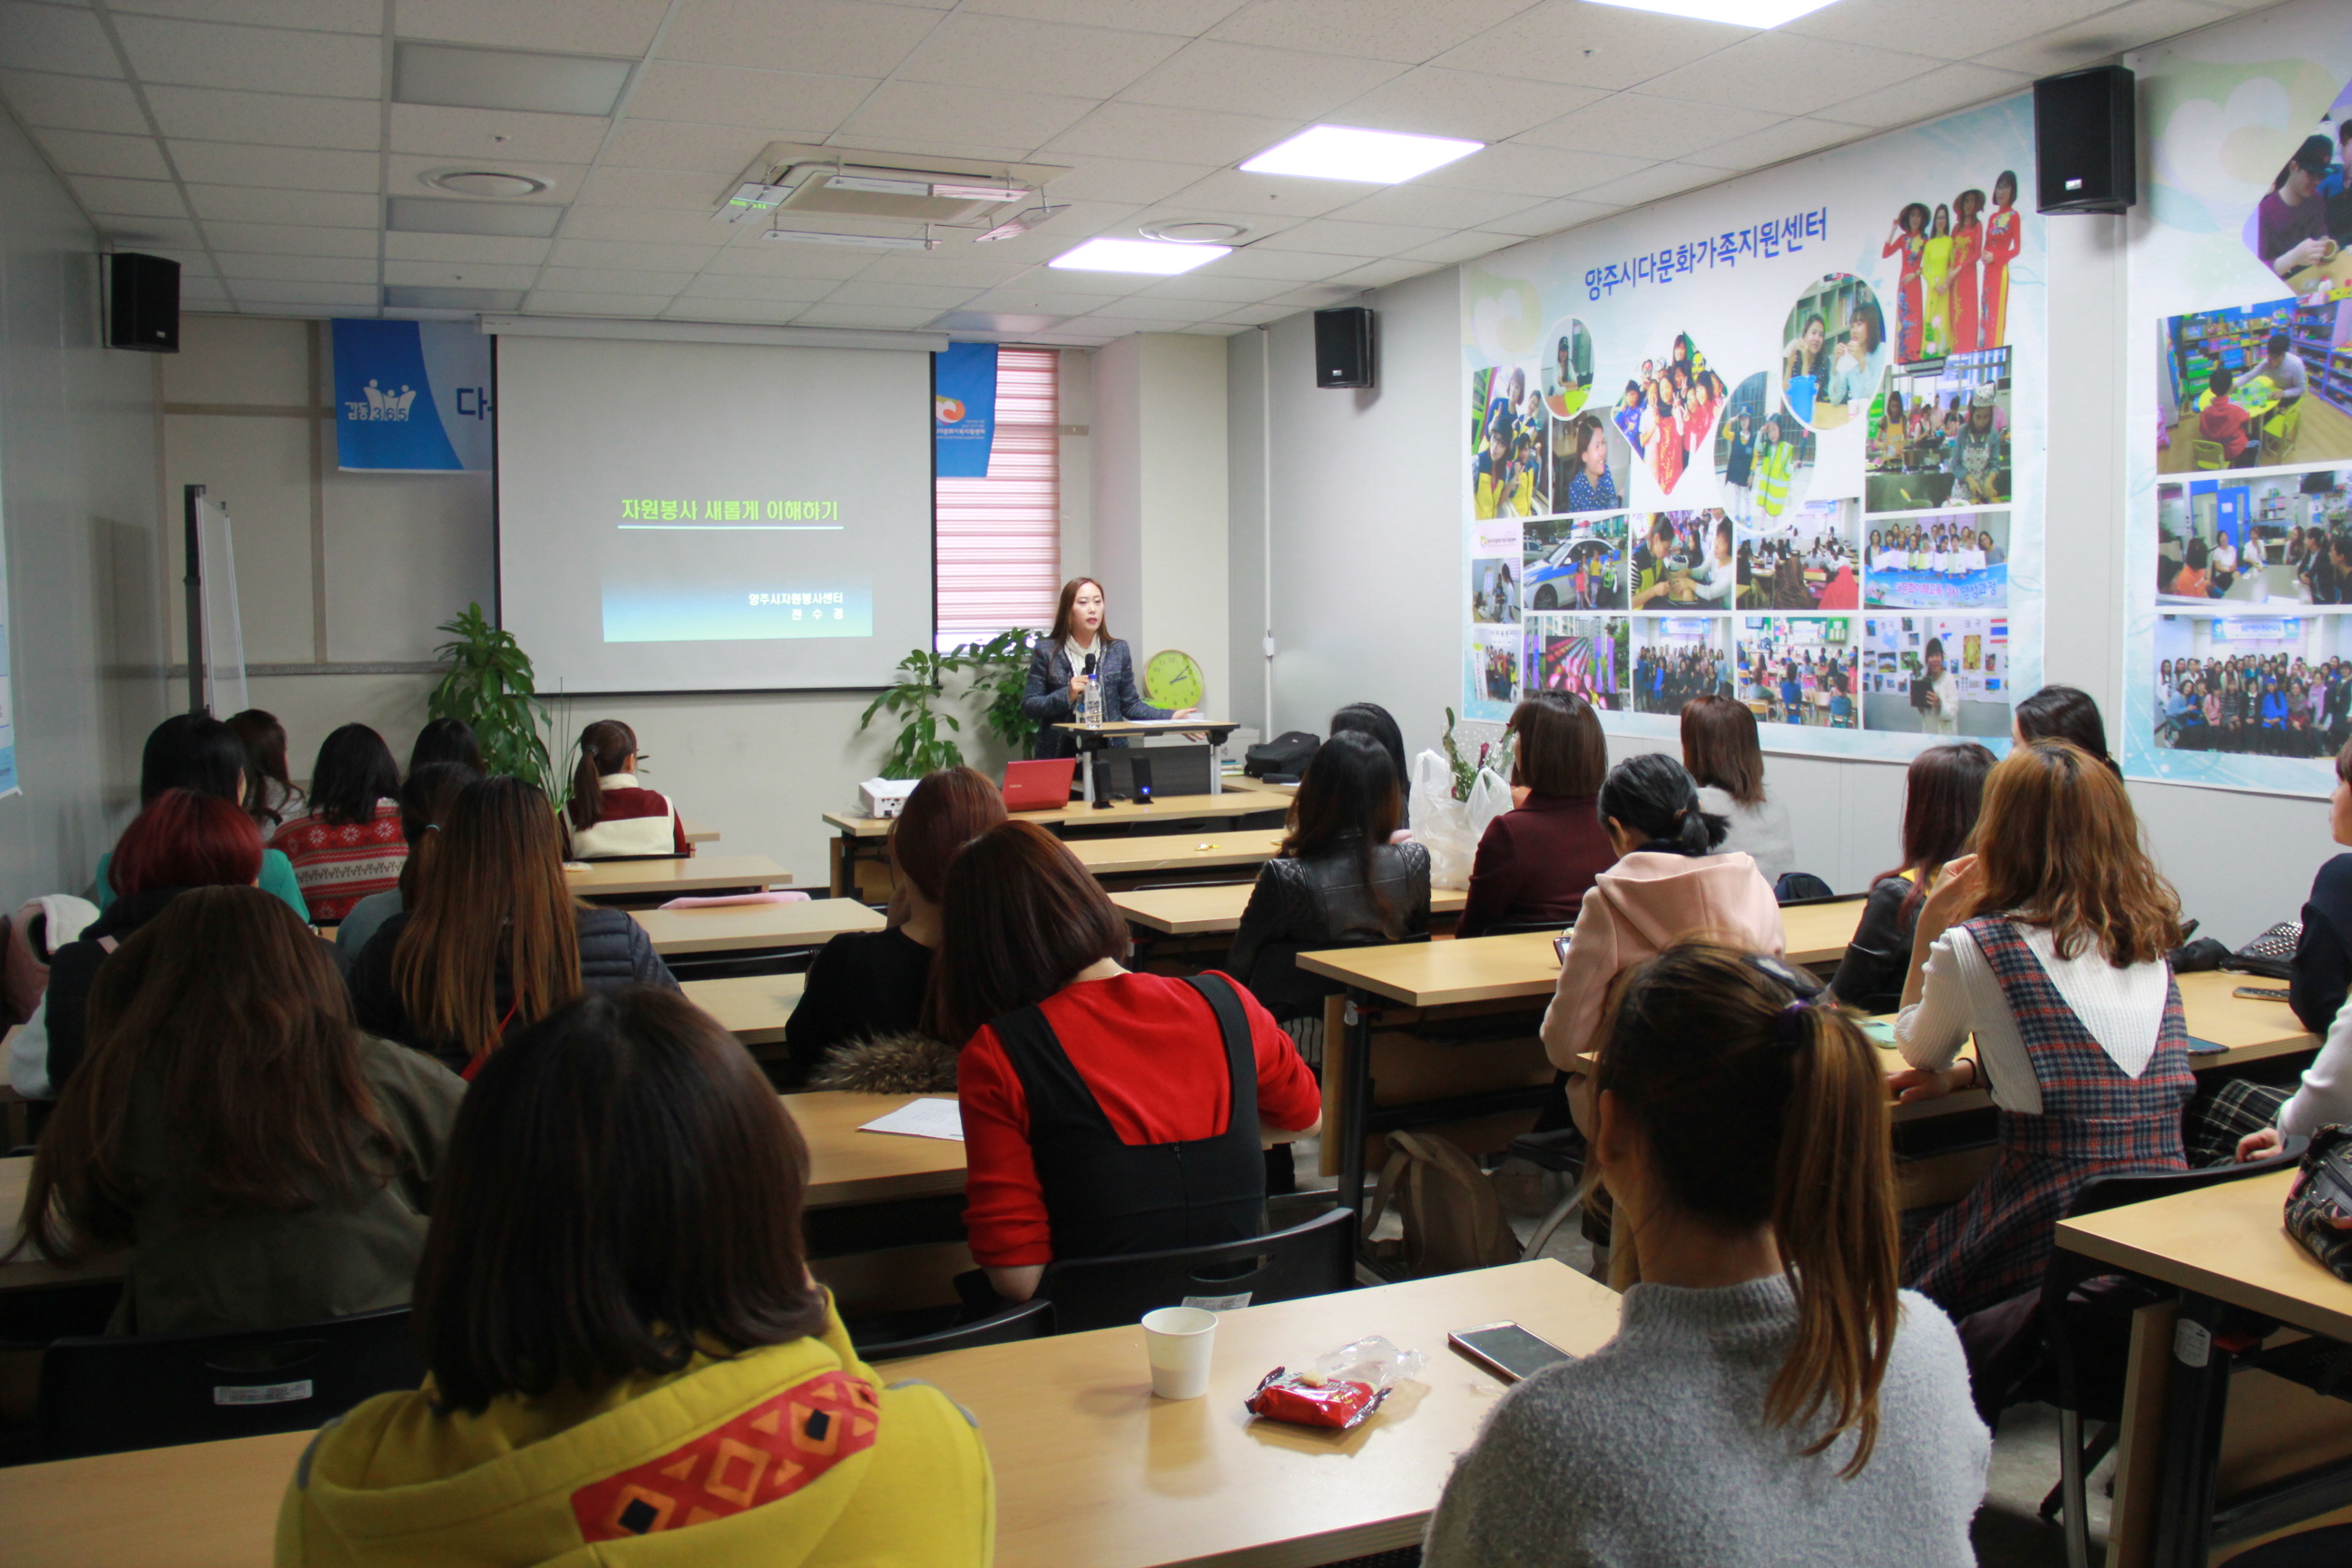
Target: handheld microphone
1090, 666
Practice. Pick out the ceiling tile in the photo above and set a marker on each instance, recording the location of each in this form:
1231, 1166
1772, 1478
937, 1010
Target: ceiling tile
148, 232
886, 317
1036, 296
320, 15
1518, 169
286, 168
1588, 45
1258, 315
877, 291
722, 150
1407, 30
1660, 180
1789, 139
1937, 92
253, 204
237, 266
1927, 26
714, 286
460, 274
1185, 18
429, 301
1804, 73
1330, 235
1210, 286
1380, 274
970, 266
1242, 78
1150, 131
783, 104
1255, 225
571, 26
1436, 204
1317, 296
771, 259
985, 324
1433, 101
2109, 33
959, 148
1127, 326
54, 39
978, 50
94, 153
838, 37
497, 135
661, 226
1219, 328
404, 173
141, 198
905, 108
1463, 246
758, 313
672, 190
1130, 180
558, 303
1287, 265
1101, 284
1254, 197
261, 59
281, 119
1550, 218
73, 103
616, 279
320, 295
1636, 125
496, 249
273, 238
571, 252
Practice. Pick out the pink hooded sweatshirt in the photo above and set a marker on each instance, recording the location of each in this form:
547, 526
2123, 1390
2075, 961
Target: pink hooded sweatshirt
1638, 908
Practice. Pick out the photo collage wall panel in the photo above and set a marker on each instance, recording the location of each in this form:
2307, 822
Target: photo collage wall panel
2238, 657
1780, 440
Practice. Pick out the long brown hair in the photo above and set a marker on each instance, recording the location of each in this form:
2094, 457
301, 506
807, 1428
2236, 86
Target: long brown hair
265, 748
1561, 751
426, 802
604, 747
1061, 632
1943, 793
946, 811
228, 1016
2058, 846
1349, 787
1759, 1108
1720, 747
490, 902
1021, 917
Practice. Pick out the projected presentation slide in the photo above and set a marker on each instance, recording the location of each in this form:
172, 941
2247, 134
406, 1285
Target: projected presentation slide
713, 516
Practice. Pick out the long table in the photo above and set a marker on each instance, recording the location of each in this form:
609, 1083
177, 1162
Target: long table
694, 874
1090, 1468
753, 928
753, 1008
856, 837
1215, 908
1179, 853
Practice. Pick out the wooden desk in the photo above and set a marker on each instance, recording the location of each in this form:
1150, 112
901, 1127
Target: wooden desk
858, 837
1216, 906
752, 928
674, 878
1177, 852
697, 833
2252, 1031
753, 1008
1090, 1470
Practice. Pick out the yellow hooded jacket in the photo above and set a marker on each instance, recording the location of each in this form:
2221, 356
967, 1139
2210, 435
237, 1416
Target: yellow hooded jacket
793, 1456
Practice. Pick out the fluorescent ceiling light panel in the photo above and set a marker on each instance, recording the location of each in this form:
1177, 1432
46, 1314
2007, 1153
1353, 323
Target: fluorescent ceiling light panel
864, 241
436, 214
1157, 257
1758, 13
1370, 157
458, 78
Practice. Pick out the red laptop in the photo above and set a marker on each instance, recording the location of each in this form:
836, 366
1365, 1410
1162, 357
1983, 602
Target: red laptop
1040, 786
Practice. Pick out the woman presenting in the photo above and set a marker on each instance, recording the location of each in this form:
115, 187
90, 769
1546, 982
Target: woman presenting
1079, 665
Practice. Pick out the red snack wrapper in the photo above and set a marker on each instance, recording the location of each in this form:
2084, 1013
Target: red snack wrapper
1338, 1404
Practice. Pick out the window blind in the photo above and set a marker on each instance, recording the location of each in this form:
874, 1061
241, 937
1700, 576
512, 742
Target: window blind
998, 547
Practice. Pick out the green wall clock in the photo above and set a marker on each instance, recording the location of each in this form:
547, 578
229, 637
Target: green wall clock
1173, 680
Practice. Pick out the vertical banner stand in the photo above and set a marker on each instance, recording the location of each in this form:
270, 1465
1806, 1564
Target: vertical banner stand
193, 582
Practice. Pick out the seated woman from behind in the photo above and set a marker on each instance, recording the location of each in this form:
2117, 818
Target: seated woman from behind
347, 845
1104, 1112
1941, 795
610, 812
426, 802
494, 941
861, 1008
623, 1339
264, 1161
1537, 860
1771, 1396
1721, 750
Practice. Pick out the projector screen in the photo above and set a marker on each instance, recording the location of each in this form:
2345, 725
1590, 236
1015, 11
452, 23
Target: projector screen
707, 517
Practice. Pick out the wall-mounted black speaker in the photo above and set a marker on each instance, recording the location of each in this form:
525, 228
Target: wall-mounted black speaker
142, 304
2086, 141
1343, 346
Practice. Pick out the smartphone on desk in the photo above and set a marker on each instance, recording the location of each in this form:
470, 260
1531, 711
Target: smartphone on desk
1507, 1350
2262, 992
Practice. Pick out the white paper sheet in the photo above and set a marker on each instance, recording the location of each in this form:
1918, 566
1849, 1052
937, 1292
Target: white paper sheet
922, 1119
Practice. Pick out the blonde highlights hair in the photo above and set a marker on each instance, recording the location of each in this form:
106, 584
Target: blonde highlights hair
2058, 846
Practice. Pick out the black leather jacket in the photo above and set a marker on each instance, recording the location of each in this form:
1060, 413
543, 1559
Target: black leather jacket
1301, 905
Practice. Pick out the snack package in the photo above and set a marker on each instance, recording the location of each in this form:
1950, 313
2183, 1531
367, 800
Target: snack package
1341, 1388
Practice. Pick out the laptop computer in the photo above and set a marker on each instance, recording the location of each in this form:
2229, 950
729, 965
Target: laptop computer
1043, 784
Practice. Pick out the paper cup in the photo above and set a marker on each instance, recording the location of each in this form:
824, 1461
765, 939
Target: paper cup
1178, 1340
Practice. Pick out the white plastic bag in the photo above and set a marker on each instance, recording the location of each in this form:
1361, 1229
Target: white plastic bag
1450, 828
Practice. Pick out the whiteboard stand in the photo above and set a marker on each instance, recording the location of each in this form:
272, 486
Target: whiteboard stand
216, 682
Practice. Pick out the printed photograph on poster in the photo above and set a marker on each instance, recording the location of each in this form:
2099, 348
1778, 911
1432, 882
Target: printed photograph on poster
2300, 227
1952, 294
1590, 463
1567, 373
1835, 364
1798, 670
1508, 474
2269, 685
1807, 559
1687, 559
1574, 564
1938, 561
2256, 386
1583, 655
1953, 449
1490, 686
1936, 675
1677, 658
2255, 539
1668, 412
1495, 564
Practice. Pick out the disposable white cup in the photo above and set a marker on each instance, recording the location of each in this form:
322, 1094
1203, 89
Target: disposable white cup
1178, 1340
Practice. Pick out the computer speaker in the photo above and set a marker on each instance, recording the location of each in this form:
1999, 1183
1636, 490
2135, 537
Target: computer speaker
1142, 775
142, 302
1343, 346
2086, 141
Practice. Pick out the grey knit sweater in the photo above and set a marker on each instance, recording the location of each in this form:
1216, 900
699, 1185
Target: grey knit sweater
1652, 1452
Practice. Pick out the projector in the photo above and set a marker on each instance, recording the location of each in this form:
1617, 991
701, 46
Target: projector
884, 797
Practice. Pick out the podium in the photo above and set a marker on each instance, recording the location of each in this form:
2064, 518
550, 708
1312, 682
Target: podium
1094, 738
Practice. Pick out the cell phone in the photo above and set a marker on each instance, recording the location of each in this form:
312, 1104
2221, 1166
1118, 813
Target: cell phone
2262, 992
1507, 1350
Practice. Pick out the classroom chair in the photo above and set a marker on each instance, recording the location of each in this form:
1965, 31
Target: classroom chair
109, 1394
1032, 1319
2209, 455
1316, 1259
2279, 433
1802, 888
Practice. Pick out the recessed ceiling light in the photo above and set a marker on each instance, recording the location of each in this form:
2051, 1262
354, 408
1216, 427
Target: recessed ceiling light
1194, 232
1759, 14
1350, 153
1153, 256
453, 77
484, 183
865, 241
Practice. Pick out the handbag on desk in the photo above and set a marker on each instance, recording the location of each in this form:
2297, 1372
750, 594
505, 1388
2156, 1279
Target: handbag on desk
2323, 1194
2271, 953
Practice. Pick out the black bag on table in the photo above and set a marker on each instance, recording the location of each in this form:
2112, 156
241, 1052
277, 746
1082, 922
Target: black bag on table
2271, 954
1286, 756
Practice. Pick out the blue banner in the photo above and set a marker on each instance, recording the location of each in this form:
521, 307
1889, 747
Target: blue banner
412, 395
963, 409
1987, 588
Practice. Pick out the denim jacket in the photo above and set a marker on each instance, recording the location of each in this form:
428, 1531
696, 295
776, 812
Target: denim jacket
1046, 699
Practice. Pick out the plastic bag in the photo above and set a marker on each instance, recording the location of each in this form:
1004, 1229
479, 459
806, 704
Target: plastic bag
1450, 828
1340, 1389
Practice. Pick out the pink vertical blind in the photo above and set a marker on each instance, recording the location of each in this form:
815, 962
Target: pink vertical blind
999, 544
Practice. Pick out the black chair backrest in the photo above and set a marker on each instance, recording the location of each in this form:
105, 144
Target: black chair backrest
1522, 928
1316, 1259
1802, 887
1032, 1319
122, 1392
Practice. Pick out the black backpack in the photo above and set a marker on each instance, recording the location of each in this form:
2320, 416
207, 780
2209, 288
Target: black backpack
1283, 757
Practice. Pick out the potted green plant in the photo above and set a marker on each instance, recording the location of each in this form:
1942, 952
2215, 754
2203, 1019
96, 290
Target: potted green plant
999, 670
920, 748
490, 688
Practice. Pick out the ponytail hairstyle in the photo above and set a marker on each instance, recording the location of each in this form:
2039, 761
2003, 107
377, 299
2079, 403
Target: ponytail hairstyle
1656, 796
604, 747
1760, 1103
